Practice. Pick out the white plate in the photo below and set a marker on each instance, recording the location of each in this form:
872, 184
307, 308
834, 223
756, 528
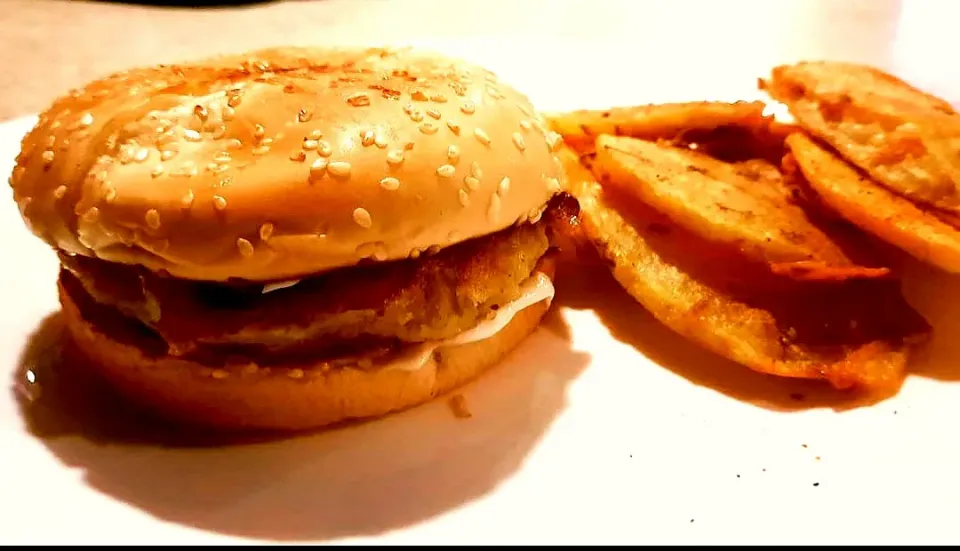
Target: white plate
603, 427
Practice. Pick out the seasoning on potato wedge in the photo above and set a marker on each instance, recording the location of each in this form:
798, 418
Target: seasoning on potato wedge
684, 121
853, 333
906, 140
725, 203
874, 208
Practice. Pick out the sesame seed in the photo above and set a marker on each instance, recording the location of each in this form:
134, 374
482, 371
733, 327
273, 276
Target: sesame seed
259, 131
222, 157
438, 98
324, 149
380, 141
262, 150
418, 95
468, 108
390, 184
395, 156
141, 155
428, 128
454, 127
295, 373
340, 169
481, 136
453, 153
298, 156
191, 135
86, 120
433, 249
493, 212
359, 99
553, 141
304, 115
167, 154
152, 218
188, 170
234, 143
60, 192
315, 134
518, 141
475, 170
503, 187
409, 108
414, 253
446, 171
362, 218
109, 193
228, 113
433, 114
50, 141
525, 124
367, 137
416, 116
309, 144
464, 198
47, 156
234, 99
187, 200
91, 215
200, 112
472, 183
219, 202
318, 167
266, 230
219, 374
246, 247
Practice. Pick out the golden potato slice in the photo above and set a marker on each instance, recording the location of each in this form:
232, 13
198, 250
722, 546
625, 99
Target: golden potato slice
725, 203
655, 122
856, 333
875, 209
904, 138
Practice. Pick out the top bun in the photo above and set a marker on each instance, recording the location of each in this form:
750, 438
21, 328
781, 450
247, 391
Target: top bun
284, 162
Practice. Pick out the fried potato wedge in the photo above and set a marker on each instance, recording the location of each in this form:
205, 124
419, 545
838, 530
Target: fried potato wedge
856, 333
905, 139
686, 122
726, 203
875, 209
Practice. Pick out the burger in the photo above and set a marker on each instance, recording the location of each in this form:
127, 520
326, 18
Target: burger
295, 237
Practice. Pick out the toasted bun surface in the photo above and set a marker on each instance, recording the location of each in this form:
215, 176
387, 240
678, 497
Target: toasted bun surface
284, 162
272, 398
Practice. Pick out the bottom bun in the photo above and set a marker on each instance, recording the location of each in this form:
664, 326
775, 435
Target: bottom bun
287, 398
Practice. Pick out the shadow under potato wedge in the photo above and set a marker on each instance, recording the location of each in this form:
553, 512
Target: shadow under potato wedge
906, 139
875, 209
853, 334
727, 203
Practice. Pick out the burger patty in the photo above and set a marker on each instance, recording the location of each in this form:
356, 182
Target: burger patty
414, 300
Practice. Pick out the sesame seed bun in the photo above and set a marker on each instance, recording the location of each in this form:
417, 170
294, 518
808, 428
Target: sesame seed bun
287, 398
283, 163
